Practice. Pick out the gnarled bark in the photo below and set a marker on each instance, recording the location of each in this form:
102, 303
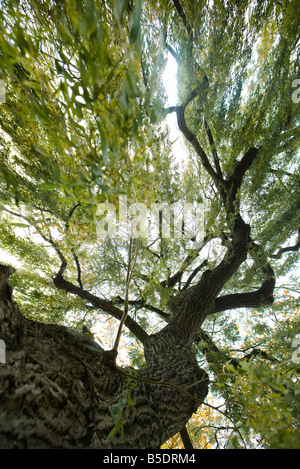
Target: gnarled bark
58, 388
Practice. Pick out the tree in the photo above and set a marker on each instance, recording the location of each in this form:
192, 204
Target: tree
83, 122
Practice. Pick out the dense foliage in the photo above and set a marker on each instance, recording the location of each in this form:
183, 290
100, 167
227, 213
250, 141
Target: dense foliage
85, 120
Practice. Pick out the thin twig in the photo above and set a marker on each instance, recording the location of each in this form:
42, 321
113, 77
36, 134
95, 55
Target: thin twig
131, 265
78, 268
172, 386
288, 248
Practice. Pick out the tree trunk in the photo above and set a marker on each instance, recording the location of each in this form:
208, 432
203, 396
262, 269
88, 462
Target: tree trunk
59, 389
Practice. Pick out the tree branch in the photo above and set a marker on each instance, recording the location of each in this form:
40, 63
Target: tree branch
261, 297
142, 304
78, 267
288, 248
213, 149
69, 287
45, 238
172, 52
235, 180
193, 274
198, 301
168, 47
186, 440
70, 215
214, 356
171, 281
130, 269
104, 305
195, 143
182, 16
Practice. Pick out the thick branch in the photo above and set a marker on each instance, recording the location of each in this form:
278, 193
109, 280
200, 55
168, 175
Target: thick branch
172, 52
229, 188
182, 16
261, 297
243, 165
5, 289
106, 306
199, 300
168, 47
48, 364
235, 180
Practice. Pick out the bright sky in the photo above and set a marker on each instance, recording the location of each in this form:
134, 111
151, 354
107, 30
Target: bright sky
170, 84
170, 81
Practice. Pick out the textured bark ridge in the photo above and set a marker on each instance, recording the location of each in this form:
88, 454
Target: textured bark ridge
58, 388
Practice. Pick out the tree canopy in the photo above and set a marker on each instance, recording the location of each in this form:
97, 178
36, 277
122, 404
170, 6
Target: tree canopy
85, 120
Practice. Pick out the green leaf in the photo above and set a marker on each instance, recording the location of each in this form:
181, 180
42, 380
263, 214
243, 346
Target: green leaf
136, 21
112, 434
129, 400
